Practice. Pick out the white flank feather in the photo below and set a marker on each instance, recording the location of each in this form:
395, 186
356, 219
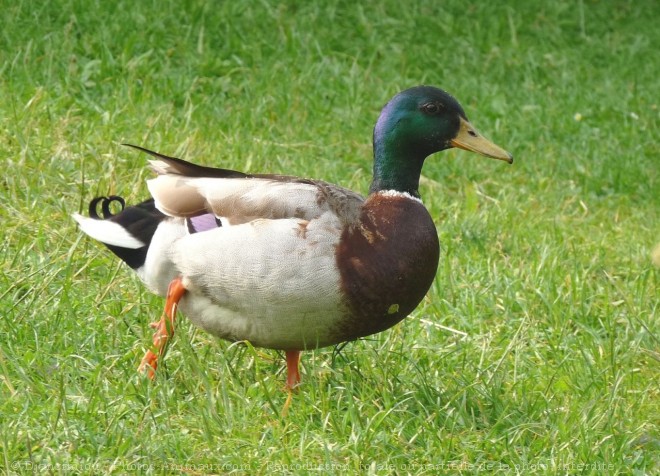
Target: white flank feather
107, 232
272, 282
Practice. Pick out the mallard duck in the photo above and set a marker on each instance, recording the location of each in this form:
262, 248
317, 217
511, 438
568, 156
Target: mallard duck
285, 262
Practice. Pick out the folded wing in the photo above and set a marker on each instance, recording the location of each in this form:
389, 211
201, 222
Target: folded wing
182, 189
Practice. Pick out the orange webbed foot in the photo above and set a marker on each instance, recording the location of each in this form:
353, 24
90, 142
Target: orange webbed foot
164, 329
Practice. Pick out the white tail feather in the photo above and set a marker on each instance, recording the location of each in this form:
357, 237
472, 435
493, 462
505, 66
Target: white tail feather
107, 232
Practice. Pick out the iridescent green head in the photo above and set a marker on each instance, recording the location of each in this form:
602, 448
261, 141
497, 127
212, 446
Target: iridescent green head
415, 124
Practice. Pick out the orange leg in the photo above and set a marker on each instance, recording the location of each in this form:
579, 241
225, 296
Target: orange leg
292, 373
164, 328
292, 377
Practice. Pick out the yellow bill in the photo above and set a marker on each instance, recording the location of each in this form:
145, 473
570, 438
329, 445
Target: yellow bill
469, 139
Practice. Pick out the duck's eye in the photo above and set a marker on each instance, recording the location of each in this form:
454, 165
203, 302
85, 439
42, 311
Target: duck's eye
431, 108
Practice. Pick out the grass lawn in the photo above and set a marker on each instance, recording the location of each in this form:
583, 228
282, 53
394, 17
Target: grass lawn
536, 351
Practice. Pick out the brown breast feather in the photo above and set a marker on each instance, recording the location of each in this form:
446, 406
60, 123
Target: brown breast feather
387, 262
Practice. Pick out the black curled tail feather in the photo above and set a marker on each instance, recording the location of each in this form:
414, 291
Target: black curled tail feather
140, 220
105, 206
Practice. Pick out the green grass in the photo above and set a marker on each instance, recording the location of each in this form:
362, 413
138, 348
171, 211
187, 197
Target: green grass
537, 349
